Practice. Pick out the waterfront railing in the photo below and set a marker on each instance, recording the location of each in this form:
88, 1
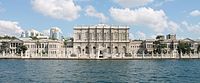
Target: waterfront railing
107, 56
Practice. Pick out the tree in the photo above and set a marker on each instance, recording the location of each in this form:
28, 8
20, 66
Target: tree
171, 46
34, 37
198, 48
8, 37
159, 47
65, 42
156, 45
5, 47
24, 48
160, 37
21, 48
184, 47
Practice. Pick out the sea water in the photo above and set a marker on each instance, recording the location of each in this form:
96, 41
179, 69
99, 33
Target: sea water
99, 71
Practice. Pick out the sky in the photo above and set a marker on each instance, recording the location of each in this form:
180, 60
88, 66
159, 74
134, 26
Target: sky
146, 18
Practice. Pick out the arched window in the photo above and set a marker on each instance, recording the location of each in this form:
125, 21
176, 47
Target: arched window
87, 50
105, 36
108, 36
116, 36
111, 36
116, 50
79, 36
79, 49
94, 50
124, 49
109, 50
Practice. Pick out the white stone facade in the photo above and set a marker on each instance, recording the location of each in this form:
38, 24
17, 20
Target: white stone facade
100, 40
46, 47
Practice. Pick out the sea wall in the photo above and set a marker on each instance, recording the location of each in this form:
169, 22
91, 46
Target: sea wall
107, 57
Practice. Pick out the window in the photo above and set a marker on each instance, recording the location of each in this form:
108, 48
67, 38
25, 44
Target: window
90, 36
79, 36
116, 36
97, 36
27, 46
42, 45
111, 36
14, 45
86, 35
39, 45
104, 36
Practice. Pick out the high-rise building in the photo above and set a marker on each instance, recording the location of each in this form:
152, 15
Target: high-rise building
55, 33
171, 36
33, 33
23, 35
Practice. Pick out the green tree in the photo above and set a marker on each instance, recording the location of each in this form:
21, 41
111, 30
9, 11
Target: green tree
159, 47
65, 42
21, 48
34, 37
198, 48
8, 37
5, 47
171, 46
184, 47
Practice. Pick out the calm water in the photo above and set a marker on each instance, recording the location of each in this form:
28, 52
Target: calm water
56, 71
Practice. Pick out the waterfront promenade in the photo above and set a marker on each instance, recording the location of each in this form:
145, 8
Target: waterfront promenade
107, 57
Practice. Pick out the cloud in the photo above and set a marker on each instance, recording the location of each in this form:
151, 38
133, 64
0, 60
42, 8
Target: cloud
57, 28
90, 11
132, 3
194, 28
155, 35
141, 35
9, 28
155, 19
173, 27
46, 32
195, 13
131, 35
160, 3
58, 9
82, 0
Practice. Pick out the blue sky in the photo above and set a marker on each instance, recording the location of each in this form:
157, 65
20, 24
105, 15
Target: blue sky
146, 18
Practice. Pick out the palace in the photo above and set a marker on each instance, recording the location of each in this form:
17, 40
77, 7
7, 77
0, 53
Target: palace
99, 41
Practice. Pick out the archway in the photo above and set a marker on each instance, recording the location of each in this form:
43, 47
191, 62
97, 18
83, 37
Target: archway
94, 50
79, 49
87, 50
124, 49
116, 50
101, 52
108, 50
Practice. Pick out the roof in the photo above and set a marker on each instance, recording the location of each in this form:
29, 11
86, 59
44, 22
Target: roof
43, 40
188, 40
102, 26
11, 40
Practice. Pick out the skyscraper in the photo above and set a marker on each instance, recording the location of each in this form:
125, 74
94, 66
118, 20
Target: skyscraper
55, 33
31, 33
